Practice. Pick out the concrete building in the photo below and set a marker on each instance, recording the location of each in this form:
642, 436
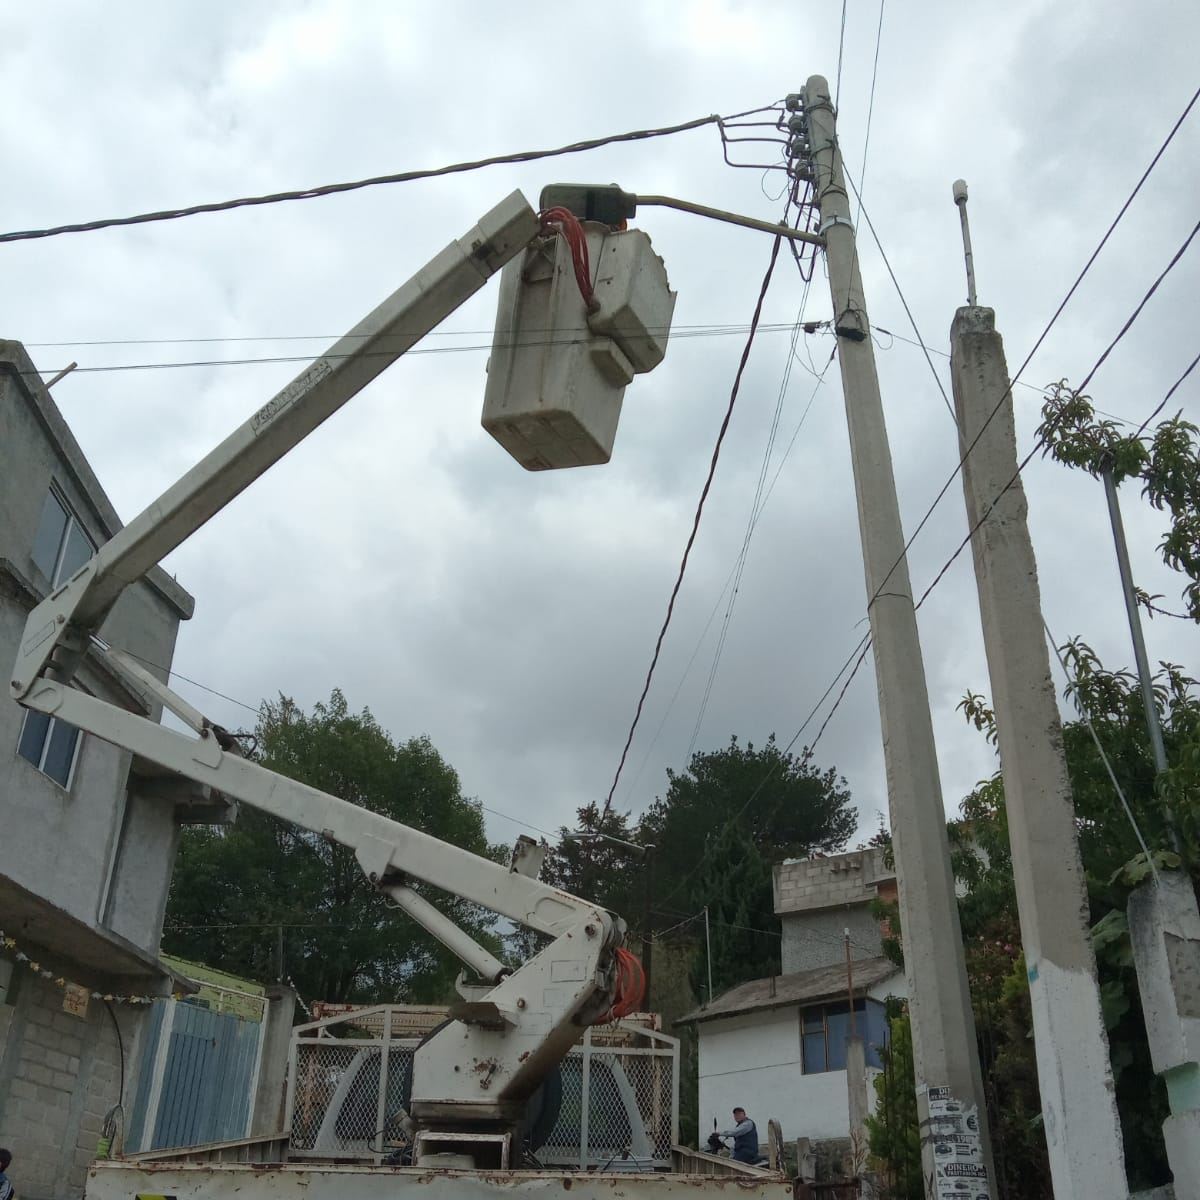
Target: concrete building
777, 1046
89, 831
817, 899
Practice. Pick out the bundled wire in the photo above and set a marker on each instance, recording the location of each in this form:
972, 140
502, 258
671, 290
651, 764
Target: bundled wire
565, 223
629, 990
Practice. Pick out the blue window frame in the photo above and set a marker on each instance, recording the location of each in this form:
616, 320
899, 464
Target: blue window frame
824, 1029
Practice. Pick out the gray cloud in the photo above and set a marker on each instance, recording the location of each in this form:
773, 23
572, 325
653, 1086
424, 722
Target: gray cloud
399, 553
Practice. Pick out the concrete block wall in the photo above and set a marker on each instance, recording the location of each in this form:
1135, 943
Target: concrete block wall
815, 939
812, 883
59, 1075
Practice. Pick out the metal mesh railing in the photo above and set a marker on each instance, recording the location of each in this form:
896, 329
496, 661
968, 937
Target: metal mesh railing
618, 1108
629, 1113
336, 1110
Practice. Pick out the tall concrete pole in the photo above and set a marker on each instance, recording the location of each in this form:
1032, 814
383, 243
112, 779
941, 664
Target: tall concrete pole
950, 1100
1083, 1132
1164, 930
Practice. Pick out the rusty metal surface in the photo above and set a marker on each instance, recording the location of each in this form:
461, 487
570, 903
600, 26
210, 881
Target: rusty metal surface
255, 1181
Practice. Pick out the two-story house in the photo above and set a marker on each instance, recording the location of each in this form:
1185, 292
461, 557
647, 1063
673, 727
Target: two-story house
89, 831
777, 1046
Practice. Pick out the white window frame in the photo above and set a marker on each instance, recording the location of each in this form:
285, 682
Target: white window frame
40, 765
56, 577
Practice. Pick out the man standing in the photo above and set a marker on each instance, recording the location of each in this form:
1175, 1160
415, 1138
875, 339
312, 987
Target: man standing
744, 1134
6, 1188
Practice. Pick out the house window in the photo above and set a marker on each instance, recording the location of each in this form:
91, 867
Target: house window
50, 745
824, 1029
61, 546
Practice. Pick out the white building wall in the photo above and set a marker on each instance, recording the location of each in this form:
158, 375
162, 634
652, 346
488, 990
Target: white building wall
754, 1060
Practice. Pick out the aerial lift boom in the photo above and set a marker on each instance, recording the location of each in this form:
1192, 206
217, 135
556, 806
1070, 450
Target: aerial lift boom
476, 1074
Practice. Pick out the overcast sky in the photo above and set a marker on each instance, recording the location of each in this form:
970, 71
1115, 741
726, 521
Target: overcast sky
399, 553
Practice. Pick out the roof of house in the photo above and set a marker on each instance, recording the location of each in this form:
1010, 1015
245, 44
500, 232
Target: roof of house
804, 987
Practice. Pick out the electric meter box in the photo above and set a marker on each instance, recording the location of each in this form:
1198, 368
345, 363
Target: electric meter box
557, 375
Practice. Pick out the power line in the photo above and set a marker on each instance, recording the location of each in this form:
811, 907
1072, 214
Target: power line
712, 469
713, 331
837, 90
1032, 453
729, 578
1161, 405
1032, 387
1081, 708
675, 326
1037, 345
330, 189
743, 554
741, 812
870, 107
900, 292
864, 645
172, 673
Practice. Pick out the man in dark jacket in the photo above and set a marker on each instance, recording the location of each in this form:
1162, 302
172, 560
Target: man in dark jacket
745, 1137
6, 1187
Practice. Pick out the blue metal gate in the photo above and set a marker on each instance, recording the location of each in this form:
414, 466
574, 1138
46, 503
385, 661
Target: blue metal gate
197, 1078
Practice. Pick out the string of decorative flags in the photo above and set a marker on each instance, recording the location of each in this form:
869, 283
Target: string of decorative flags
61, 981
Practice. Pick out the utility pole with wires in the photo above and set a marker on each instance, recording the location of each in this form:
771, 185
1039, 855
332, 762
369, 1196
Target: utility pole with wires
950, 1097
1164, 931
1075, 1081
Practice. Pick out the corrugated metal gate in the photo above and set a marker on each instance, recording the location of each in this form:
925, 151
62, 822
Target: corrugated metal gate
197, 1078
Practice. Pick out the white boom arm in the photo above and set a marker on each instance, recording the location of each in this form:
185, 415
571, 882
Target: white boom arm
479, 1070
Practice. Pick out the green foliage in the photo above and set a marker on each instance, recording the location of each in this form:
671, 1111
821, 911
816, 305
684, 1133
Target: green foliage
1113, 864
718, 829
1167, 464
342, 941
892, 1131
743, 929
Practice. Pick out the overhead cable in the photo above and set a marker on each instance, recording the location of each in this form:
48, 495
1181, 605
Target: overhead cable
858, 655
751, 522
733, 570
712, 469
862, 175
1041, 338
697, 332
1042, 441
900, 292
1081, 708
331, 189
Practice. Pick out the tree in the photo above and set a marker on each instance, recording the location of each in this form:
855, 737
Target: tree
742, 943
1167, 464
601, 868
235, 887
786, 806
892, 1130
1113, 864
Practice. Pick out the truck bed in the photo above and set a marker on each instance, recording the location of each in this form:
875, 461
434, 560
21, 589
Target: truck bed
175, 1180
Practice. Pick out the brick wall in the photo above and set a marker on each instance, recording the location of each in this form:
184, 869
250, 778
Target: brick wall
59, 1075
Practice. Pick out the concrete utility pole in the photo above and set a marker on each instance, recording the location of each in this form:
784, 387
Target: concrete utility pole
1164, 929
950, 1100
1083, 1132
